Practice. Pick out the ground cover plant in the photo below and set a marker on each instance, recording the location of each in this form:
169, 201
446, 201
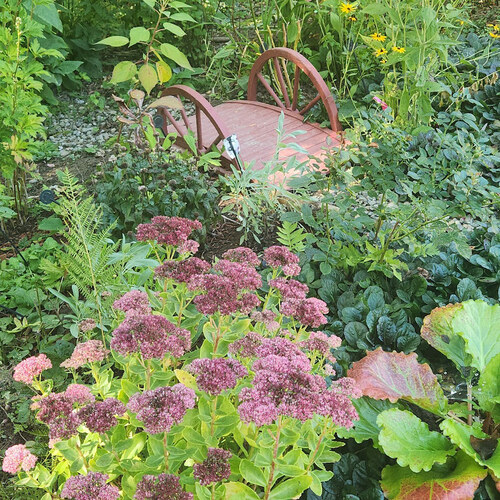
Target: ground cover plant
348, 351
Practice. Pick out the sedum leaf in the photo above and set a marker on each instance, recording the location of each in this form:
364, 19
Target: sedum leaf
239, 491
291, 488
405, 437
460, 434
438, 332
395, 375
478, 324
401, 483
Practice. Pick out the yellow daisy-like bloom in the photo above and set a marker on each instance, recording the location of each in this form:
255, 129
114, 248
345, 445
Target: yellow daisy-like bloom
380, 52
383, 61
401, 50
494, 35
378, 37
495, 27
347, 8
352, 18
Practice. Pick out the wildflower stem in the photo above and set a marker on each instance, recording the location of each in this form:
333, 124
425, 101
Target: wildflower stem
165, 450
148, 375
213, 412
273, 463
320, 439
213, 492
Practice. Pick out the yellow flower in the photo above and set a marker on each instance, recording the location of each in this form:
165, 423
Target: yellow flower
378, 37
380, 52
495, 27
347, 8
401, 50
383, 61
494, 35
352, 18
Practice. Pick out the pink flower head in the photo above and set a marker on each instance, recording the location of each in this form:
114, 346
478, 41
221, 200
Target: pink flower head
217, 375
189, 246
319, 341
214, 468
308, 312
90, 487
290, 289
246, 346
172, 231
101, 416
245, 277
151, 335
267, 317
87, 325
279, 346
277, 256
163, 407
79, 394
242, 255
383, 105
133, 302
182, 271
161, 487
18, 457
30, 368
92, 351
56, 410
336, 402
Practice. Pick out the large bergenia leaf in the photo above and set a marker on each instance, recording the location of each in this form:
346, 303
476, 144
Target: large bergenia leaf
402, 484
405, 437
460, 434
395, 375
438, 331
366, 427
478, 324
487, 391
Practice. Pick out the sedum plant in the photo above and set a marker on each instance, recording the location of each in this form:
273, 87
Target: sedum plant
212, 383
446, 447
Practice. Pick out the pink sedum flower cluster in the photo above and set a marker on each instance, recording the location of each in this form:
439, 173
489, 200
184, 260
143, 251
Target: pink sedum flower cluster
90, 487
163, 407
17, 458
247, 346
151, 335
133, 302
284, 386
92, 351
267, 317
242, 255
278, 256
161, 487
216, 375
182, 271
32, 367
290, 289
308, 312
101, 416
79, 394
87, 325
214, 468
173, 231
322, 343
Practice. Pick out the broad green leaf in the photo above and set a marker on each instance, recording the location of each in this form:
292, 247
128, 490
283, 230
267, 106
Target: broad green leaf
401, 483
123, 72
182, 16
114, 41
290, 488
438, 331
460, 434
48, 14
366, 427
168, 50
405, 437
374, 9
488, 388
479, 325
164, 71
251, 473
239, 491
173, 28
185, 378
395, 375
148, 77
138, 34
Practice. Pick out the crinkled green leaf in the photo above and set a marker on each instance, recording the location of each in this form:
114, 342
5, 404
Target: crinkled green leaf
478, 324
438, 331
395, 375
400, 483
405, 437
366, 427
460, 434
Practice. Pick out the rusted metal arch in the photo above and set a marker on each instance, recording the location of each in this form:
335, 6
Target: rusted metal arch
301, 63
183, 126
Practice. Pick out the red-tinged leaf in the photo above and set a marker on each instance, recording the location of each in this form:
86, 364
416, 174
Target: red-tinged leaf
395, 375
438, 331
458, 484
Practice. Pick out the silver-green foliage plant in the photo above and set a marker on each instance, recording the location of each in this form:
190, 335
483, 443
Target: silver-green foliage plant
206, 386
153, 68
461, 448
